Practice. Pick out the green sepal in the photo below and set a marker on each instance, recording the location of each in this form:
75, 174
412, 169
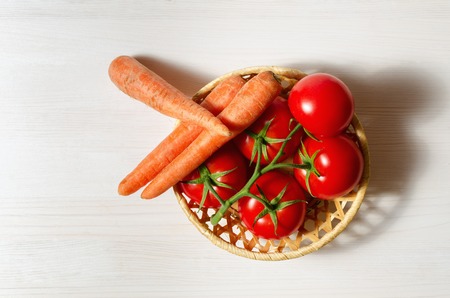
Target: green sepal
217, 175
308, 161
261, 140
309, 134
209, 180
273, 206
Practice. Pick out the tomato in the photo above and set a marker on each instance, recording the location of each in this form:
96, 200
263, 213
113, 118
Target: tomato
334, 166
225, 172
270, 129
283, 214
323, 104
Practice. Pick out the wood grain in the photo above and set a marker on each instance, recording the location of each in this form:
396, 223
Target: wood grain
68, 136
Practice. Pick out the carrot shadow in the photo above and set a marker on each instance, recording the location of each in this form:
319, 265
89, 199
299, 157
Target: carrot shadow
387, 103
186, 80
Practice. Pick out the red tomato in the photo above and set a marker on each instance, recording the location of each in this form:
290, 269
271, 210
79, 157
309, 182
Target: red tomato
271, 128
225, 171
336, 166
323, 104
284, 209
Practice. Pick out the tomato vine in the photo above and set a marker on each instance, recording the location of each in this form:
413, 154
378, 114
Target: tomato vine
259, 170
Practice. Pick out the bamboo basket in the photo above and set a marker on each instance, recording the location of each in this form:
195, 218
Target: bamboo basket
324, 220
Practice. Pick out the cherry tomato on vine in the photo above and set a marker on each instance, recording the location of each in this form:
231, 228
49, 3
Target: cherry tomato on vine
284, 209
334, 166
323, 104
225, 173
270, 129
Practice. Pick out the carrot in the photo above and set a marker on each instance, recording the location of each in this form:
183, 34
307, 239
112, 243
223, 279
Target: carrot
137, 81
179, 139
250, 102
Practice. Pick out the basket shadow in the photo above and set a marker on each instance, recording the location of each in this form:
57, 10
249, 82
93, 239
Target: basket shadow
186, 80
387, 103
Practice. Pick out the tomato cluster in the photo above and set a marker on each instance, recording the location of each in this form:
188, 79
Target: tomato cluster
298, 145
324, 106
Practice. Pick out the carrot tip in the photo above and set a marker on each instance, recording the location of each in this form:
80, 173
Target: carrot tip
277, 78
224, 131
227, 134
144, 197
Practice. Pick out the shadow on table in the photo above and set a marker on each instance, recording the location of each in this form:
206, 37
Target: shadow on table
389, 103
186, 80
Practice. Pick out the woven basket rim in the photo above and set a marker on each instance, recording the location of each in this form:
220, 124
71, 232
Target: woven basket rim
285, 71
325, 239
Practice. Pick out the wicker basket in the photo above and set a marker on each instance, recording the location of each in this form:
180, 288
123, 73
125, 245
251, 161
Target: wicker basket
324, 219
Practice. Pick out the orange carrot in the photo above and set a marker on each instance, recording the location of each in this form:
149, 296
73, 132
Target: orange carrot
137, 81
250, 102
180, 138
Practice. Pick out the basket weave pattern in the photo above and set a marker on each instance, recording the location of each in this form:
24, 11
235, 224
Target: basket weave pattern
324, 219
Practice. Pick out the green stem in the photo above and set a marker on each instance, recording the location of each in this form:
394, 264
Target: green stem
280, 152
285, 165
243, 192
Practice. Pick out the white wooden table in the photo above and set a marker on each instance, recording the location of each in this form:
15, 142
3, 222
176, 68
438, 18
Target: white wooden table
68, 136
